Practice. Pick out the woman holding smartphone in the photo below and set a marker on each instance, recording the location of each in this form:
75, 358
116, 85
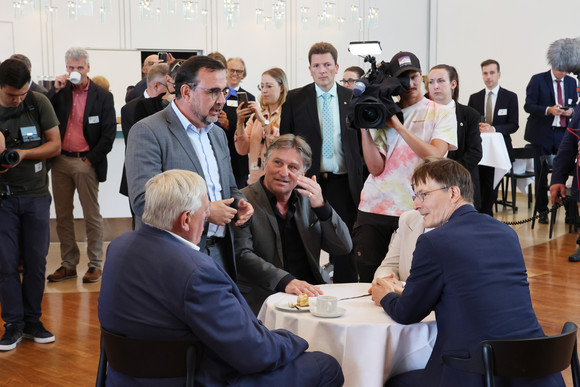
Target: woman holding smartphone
444, 89
263, 125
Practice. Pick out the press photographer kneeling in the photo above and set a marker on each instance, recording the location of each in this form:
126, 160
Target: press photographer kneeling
29, 136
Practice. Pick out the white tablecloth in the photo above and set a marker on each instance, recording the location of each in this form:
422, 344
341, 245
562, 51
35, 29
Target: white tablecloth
365, 340
495, 155
521, 166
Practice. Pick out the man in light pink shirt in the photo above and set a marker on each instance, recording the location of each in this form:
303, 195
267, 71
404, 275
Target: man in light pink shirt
87, 127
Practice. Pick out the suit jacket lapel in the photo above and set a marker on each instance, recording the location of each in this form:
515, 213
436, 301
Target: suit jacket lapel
91, 98
312, 110
177, 130
223, 168
550, 86
265, 204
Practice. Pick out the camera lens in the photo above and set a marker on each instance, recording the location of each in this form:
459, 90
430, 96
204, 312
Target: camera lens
370, 114
9, 157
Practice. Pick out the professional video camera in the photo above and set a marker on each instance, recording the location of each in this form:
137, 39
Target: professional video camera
372, 103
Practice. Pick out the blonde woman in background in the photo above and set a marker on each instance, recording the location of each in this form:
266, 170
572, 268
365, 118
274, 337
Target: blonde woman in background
263, 126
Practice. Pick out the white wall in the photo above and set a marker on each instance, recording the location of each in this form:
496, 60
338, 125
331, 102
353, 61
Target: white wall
458, 32
516, 33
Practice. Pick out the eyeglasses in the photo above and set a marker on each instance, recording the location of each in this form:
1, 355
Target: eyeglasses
422, 195
214, 93
234, 71
266, 86
348, 81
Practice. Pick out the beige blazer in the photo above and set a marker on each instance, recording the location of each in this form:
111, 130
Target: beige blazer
400, 255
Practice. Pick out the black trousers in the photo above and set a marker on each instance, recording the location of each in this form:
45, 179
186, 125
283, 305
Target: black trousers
371, 238
335, 189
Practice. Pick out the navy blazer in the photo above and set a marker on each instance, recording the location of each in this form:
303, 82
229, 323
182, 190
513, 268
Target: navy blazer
478, 290
300, 117
540, 95
505, 123
565, 160
127, 122
100, 132
157, 288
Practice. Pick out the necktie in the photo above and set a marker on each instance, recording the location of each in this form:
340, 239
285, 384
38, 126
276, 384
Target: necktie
327, 127
489, 109
560, 101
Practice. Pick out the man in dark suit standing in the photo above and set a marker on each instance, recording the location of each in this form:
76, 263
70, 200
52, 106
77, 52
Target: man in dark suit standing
236, 72
139, 88
477, 296
550, 100
498, 108
292, 222
86, 113
33, 85
156, 85
183, 136
317, 112
157, 285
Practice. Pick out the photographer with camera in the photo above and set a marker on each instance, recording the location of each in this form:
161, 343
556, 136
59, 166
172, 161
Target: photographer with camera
391, 154
30, 128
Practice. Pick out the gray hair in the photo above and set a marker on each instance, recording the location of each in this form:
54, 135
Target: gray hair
241, 61
170, 194
76, 53
290, 141
157, 72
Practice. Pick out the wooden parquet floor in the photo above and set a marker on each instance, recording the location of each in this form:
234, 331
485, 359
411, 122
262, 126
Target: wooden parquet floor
70, 311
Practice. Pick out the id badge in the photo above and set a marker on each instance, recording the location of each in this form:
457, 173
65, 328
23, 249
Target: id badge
29, 134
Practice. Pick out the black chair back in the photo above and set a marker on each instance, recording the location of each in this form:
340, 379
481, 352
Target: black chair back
148, 358
526, 358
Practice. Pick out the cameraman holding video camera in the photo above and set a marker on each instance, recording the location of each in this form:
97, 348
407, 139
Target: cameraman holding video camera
30, 129
391, 155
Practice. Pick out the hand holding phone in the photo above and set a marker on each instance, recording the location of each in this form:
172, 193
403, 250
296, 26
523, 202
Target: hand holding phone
242, 98
162, 56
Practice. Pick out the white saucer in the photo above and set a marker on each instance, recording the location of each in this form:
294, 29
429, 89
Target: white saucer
283, 305
339, 312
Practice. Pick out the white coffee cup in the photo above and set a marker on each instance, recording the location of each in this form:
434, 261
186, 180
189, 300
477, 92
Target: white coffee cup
326, 304
74, 77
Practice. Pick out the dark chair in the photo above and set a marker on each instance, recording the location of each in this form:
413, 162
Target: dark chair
525, 358
148, 358
519, 153
572, 209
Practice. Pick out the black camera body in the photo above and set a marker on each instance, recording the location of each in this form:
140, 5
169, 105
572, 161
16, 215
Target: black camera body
372, 103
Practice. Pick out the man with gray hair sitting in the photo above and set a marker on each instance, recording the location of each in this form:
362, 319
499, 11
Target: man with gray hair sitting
280, 250
157, 285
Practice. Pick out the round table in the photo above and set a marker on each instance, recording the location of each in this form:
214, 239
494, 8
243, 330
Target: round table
367, 343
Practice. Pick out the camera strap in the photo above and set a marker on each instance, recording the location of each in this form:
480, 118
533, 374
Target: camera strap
29, 105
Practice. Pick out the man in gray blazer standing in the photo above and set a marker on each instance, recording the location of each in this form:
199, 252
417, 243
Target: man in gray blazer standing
280, 250
182, 136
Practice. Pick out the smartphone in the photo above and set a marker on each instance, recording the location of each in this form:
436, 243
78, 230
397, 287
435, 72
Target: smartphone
565, 107
242, 97
162, 56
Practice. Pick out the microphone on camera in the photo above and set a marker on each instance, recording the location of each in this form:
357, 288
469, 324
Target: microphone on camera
359, 87
564, 55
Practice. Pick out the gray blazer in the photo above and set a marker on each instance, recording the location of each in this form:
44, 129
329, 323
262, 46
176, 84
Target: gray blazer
159, 143
259, 247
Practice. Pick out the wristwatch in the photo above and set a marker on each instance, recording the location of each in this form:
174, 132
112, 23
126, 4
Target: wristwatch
266, 122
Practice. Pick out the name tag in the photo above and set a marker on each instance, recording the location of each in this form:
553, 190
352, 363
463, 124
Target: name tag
93, 119
232, 103
502, 112
38, 167
570, 101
